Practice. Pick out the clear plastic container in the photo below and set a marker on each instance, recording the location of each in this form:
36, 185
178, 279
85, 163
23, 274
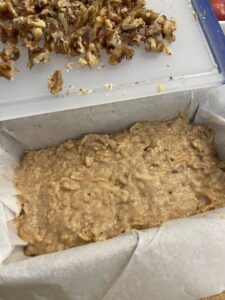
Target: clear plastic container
198, 60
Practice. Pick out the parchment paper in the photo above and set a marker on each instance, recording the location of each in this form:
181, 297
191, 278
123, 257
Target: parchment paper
182, 259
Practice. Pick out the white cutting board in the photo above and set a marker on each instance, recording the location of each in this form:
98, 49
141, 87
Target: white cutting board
222, 23
191, 65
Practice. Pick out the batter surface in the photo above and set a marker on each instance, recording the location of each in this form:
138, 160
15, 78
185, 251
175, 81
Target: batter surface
102, 185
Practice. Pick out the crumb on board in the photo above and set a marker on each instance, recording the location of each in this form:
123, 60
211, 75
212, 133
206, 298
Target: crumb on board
101, 67
160, 88
195, 15
109, 86
82, 92
168, 51
70, 89
69, 66
81, 63
55, 82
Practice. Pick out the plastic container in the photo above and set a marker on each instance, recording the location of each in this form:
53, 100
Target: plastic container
198, 61
176, 261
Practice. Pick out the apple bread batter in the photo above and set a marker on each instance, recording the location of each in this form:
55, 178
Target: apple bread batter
102, 185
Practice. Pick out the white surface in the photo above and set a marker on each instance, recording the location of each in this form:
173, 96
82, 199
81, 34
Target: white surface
181, 260
191, 66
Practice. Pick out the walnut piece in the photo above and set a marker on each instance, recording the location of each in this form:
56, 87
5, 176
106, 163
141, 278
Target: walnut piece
55, 82
7, 10
37, 55
9, 54
75, 28
6, 69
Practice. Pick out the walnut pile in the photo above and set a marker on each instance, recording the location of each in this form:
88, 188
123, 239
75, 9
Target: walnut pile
73, 28
55, 82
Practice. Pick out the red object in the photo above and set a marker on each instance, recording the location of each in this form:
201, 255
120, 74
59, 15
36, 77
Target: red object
219, 9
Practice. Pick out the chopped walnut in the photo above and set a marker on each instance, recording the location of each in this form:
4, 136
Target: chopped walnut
84, 28
153, 45
168, 29
118, 54
6, 69
8, 33
55, 82
130, 23
81, 63
11, 52
92, 55
37, 55
7, 10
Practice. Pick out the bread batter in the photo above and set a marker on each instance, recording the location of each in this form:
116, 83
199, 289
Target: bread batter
95, 188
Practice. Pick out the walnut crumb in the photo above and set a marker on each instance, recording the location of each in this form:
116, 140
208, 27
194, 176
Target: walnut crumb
6, 69
55, 82
71, 87
81, 63
69, 66
101, 67
109, 86
168, 51
160, 88
82, 92
195, 15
